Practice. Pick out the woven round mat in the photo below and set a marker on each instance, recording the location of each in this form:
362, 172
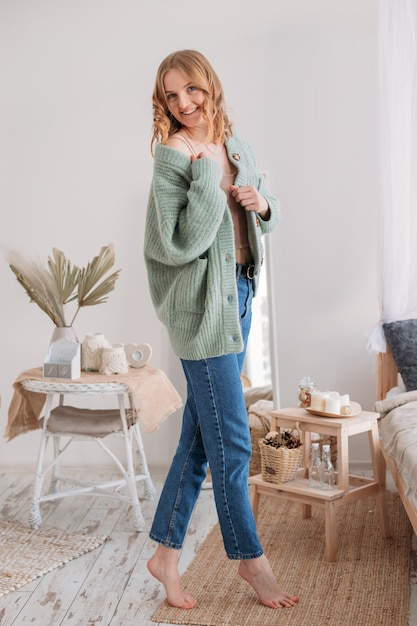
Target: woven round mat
367, 585
26, 554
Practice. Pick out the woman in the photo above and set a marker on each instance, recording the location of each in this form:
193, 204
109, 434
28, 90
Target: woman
208, 208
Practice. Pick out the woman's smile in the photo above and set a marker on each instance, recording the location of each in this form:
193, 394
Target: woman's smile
189, 112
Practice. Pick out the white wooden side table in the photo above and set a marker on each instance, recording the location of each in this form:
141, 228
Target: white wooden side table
349, 487
73, 423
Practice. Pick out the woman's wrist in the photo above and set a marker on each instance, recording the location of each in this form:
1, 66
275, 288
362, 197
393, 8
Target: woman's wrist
265, 213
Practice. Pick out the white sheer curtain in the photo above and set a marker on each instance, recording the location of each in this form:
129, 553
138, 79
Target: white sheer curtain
398, 165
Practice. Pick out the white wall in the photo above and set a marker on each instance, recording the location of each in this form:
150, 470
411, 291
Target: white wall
300, 77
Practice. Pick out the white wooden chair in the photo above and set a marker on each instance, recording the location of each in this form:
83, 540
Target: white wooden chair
66, 424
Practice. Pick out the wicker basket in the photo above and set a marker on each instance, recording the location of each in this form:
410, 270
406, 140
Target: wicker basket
279, 465
259, 426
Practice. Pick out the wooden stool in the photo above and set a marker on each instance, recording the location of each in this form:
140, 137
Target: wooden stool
349, 487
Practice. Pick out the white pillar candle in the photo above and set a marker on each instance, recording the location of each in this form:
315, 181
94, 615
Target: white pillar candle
318, 399
332, 405
345, 400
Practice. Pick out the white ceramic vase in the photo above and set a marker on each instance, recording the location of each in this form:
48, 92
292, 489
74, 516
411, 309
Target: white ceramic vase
64, 331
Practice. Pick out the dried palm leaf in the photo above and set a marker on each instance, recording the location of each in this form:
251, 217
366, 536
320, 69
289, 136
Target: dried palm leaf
64, 282
39, 285
64, 275
89, 292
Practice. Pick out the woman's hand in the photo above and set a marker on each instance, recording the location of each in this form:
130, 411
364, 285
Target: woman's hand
251, 200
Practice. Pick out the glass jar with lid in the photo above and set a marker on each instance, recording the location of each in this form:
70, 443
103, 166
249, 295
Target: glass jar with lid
305, 387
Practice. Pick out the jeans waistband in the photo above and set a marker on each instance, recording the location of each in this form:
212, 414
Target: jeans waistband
245, 271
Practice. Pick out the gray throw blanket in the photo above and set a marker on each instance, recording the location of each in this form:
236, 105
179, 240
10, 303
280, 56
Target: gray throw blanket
398, 428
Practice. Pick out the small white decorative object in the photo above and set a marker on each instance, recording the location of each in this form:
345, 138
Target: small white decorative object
318, 399
332, 405
345, 408
344, 399
113, 360
92, 350
63, 360
138, 354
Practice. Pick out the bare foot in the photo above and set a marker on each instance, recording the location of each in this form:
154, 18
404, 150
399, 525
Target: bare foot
258, 573
163, 566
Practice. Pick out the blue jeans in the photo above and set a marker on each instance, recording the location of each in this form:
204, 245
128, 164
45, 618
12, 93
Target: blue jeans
215, 430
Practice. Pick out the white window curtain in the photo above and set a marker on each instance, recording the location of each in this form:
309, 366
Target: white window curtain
397, 228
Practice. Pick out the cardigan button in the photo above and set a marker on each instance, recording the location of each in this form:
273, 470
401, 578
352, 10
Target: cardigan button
236, 156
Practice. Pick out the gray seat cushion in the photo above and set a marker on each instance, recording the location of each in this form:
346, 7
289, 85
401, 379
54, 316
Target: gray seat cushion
69, 420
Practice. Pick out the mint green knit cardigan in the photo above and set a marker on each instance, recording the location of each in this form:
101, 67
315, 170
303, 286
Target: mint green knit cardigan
189, 248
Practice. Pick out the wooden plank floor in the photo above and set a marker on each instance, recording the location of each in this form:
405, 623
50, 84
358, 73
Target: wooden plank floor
109, 586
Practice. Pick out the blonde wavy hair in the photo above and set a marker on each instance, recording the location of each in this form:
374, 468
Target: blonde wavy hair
202, 75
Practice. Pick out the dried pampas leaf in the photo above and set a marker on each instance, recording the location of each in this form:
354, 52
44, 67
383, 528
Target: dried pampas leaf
51, 289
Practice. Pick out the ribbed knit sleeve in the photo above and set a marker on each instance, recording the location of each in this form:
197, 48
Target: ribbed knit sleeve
189, 204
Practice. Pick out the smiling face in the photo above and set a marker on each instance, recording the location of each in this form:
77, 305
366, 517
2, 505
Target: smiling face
184, 100
188, 94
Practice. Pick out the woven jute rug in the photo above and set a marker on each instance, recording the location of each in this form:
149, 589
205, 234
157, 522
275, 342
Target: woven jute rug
367, 585
26, 554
